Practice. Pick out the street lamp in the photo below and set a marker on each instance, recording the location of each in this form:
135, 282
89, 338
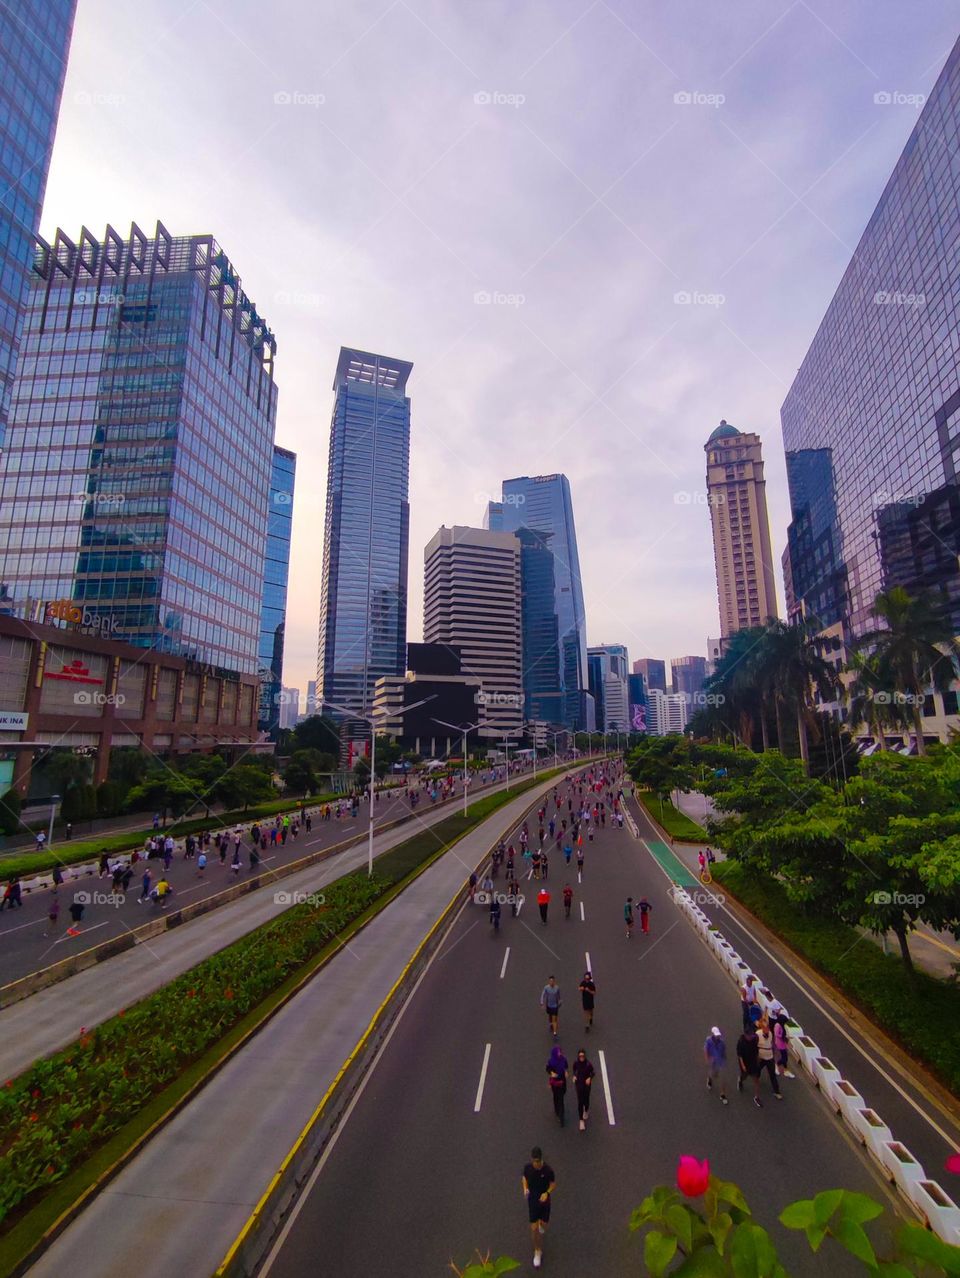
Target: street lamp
54, 800
463, 731
556, 759
372, 721
506, 754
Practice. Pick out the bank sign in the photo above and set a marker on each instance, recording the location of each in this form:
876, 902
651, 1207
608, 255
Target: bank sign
13, 721
81, 617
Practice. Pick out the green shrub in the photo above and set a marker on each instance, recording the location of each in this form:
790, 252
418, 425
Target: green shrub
10, 808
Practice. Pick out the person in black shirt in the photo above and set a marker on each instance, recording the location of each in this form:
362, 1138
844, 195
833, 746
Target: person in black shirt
582, 1078
538, 1184
588, 992
748, 1058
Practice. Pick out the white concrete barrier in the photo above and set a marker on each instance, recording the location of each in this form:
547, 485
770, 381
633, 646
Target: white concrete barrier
901, 1166
846, 1099
940, 1213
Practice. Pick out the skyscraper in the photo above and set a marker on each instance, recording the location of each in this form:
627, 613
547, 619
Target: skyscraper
555, 675
667, 712
137, 469
472, 601
34, 42
276, 567
363, 602
737, 496
611, 671
871, 424
689, 674
654, 673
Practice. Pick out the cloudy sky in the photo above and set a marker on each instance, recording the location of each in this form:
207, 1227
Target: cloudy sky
377, 169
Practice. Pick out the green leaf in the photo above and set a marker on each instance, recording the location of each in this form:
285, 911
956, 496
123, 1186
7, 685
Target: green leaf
893, 1269
705, 1263
720, 1227
850, 1235
859, 1207
825, 1204
798, 1215
752, 1254
658, 1251
815, 1236
677, 1218
730, 1193
914, 1240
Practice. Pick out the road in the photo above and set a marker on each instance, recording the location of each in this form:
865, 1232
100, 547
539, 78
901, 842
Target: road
28, 943
426, 1168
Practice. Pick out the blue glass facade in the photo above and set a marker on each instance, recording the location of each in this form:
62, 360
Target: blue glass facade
136, 476
363, 605
871, 425
557, 682
34, 42
276, 568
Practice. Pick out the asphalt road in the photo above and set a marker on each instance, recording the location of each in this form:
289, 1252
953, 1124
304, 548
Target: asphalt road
28, 943
426, 1167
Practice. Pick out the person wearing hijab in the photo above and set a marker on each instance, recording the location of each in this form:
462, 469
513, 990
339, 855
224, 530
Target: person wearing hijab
583, 1080
557, 1078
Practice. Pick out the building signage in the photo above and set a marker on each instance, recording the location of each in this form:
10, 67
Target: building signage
82, 617
13, 721
76, 672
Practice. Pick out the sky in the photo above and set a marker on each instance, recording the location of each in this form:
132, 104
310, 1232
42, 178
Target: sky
595, 229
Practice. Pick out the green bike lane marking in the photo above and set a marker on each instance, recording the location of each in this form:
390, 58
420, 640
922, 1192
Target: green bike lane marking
670, 863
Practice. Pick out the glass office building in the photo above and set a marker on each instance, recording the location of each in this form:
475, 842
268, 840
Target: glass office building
136, 477
276, 568
555, 674
363, 601
871, 425
34, 42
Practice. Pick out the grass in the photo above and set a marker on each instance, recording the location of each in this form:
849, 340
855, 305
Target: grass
920, 1012
397, 868
677, 824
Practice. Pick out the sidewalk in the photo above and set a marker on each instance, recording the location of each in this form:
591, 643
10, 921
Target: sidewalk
178, 1206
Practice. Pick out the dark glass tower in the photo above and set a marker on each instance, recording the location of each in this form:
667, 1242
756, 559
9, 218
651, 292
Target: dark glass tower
363, 602
871, 424
34, 42
276, 567
136, 474
555, 682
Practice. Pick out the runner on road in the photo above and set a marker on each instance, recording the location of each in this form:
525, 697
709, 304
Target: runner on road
567, 900
588, 992
543, 903
715, 1054
582, 1079
580, 862
644, 906
557, 1078
495, 912
628, 916
538, 1183
550, 1001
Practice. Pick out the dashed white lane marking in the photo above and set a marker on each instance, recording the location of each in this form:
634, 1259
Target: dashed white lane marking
606, 1089
483, 1078
506, 956
582, 916
589, 964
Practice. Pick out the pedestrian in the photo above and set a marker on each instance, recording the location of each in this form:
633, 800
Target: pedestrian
495, 912
543, 903
167, 853
567, 851
781, 1046
748, 1052
513, 889
580, 862
235, 863
472, 888
222, 848
76, 914
104, 864
628, 916
702, 860
145, 886
644, 906
544, 865
538, 1184
53, 912
309, 822
765, 1059
156, 820
12, 894
567, 900
536, 864
557, 1079
715, 1054
41, 841
161, 892
582, 1080
550, 1002
588, 993
201, 863
748, 1000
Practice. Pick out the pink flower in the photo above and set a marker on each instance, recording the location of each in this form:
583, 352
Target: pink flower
953, 1164
692, 1176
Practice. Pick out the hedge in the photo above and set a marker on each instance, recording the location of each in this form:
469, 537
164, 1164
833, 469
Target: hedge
677, 824
920, 1012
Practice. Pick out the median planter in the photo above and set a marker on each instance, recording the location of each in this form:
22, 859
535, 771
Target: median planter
793, 1029
940, 1213
846, 1099
871, 1130
901, 1166
806, 1052
825, 1074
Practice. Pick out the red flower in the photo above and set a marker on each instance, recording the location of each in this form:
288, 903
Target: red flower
33, 1118
692, 1176
50, 1169
228, 993
9, 1082
952, 1164
35, 1093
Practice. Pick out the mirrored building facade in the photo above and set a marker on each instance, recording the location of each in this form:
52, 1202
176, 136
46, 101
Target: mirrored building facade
276, 569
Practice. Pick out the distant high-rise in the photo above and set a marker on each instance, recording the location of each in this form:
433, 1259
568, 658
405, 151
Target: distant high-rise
611, 672
555, 678
34, 43
736, 493
138, 482
654, 673
472, 601
289, 707
363, 602
871, 424
689, 675
276, 568
667, 712
311, 706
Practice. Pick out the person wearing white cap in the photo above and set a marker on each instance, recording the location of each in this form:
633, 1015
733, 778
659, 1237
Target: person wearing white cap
715, 1054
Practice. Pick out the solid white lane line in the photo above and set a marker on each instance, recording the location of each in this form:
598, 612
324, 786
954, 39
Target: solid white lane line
506, 956
589, 967
483, 1078
520, 902
606, 1089
582, 917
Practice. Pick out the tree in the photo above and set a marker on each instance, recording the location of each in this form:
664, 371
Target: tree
163, 791
127, 767
64, 769
388, 753
318, 732
914, 646
870, 703
798, 668
241, 785
299, 776
11, 805
662, 764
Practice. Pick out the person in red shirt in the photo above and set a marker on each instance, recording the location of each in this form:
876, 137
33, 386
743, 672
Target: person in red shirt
543, 903
567, 900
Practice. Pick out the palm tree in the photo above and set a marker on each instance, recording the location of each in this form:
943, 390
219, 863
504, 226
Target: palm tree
916, 646
869, 700
796, 655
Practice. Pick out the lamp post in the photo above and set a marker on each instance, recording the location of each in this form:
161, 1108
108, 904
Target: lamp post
54, 800
506, 755
554, 735
463, 730
372, 721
